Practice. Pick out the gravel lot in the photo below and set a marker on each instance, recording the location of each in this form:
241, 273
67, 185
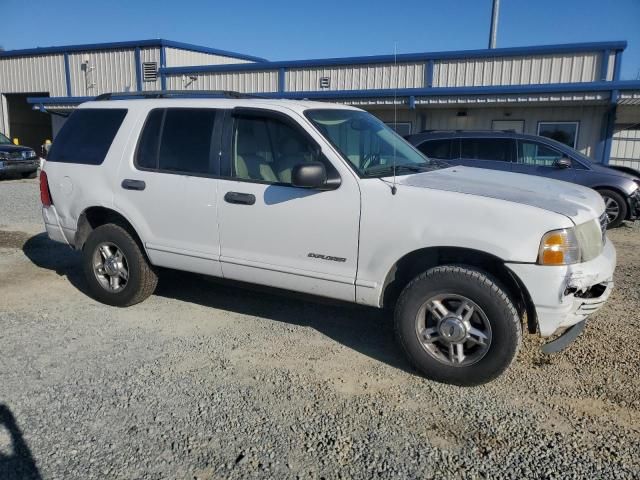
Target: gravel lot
207, 380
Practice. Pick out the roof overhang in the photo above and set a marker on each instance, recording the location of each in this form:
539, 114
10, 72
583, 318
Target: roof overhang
630, 98
566, 93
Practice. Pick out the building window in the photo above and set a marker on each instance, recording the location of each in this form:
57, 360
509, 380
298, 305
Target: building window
563, 132
401, 128
325, 82
508, 125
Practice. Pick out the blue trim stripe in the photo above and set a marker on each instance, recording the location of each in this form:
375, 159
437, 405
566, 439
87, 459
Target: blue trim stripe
604, 64
618, 66
138, 69
428, 74
159, 42
163, 63
407, 57
67, 74
415, 92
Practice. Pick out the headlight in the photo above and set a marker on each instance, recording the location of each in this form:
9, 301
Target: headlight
571, 245
591, 239
559, 247
29, 154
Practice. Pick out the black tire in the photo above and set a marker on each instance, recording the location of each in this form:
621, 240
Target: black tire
33, 174
486, 293
142, 278
613, 196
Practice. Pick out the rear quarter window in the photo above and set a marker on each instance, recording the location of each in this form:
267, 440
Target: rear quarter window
86, 136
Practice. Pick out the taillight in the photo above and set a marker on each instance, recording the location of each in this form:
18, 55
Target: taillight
45, 194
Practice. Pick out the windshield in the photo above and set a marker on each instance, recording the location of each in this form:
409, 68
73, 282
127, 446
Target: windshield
4, 140
368, 144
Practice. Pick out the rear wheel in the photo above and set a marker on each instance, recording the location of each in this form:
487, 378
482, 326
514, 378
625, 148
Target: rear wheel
457, 325
116, 269
615, 207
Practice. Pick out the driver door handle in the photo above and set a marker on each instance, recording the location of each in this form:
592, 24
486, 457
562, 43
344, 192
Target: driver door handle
240, 198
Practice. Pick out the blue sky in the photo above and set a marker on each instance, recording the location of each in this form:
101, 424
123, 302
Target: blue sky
290, 30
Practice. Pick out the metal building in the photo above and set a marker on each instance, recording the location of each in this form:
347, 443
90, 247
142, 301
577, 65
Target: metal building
572, 92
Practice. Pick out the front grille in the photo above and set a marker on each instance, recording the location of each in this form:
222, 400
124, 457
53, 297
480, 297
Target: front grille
604, 221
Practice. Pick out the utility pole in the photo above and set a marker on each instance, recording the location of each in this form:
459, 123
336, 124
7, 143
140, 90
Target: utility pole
493, 33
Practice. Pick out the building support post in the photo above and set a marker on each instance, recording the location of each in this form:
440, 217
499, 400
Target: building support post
493, 34
610, 123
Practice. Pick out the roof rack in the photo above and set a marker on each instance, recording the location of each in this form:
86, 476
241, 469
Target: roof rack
173, 94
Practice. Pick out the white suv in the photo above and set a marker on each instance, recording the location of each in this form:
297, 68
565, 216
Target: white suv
303, 196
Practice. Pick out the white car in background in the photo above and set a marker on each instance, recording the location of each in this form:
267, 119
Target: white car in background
327, 200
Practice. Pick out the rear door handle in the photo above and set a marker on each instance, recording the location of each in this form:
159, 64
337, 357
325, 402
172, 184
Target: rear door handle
129, 184
240, 198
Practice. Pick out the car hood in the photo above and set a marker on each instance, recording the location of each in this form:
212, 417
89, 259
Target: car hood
579, 203
611, 171
13, 148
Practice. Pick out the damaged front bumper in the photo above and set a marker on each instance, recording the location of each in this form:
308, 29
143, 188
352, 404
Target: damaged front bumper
564, 296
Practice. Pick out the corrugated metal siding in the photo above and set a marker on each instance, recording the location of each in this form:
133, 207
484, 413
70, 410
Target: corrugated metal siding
589, 118
151, 55
569, 68
43, 73
113, 71
625, 147
244, 82
356, 77
176, 57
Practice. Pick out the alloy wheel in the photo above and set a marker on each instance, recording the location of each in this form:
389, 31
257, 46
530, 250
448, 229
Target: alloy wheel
453, 330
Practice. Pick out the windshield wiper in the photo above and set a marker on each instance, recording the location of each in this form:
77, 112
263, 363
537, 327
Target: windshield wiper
388, 169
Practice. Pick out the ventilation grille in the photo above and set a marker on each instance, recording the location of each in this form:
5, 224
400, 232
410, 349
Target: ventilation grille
150, 71
325, 82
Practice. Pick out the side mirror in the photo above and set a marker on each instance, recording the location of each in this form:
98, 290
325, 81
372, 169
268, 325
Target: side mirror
563, 162
309, 175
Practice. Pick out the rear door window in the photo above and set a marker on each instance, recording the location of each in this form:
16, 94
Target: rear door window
495, 149
440, 149
85, 138
178, 140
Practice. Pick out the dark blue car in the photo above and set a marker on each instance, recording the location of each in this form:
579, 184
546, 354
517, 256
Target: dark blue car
533, 155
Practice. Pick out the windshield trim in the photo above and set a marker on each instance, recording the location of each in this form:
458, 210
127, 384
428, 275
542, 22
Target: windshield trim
361, 174
3, 137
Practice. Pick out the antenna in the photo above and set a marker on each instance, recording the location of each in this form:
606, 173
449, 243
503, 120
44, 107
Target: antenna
395, 114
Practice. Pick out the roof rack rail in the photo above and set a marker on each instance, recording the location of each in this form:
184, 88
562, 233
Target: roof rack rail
476, 130
174, 93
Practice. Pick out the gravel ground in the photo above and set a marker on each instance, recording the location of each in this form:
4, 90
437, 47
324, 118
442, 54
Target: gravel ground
207, 380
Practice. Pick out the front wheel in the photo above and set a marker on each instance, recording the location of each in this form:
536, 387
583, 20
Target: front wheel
116, 269
615, 207
457, 325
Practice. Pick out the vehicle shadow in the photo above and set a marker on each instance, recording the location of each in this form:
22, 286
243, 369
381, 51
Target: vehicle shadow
368, 331
16, 461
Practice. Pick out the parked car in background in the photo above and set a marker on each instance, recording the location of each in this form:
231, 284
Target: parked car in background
17, 160
534, 155
327, 200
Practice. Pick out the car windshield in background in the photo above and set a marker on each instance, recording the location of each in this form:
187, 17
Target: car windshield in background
4, 140
368, 144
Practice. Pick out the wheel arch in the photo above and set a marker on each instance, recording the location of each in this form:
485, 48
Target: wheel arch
418, 261
95, 216
625, 196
